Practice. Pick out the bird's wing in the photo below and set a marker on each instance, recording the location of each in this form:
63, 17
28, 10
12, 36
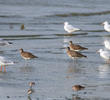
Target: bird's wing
28, 54
107, 54
70, 27
109, 26
76, 54
74, 46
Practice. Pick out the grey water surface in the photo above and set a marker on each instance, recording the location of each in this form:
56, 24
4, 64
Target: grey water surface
54, 72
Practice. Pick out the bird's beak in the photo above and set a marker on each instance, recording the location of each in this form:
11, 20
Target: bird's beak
97, 51
65, 47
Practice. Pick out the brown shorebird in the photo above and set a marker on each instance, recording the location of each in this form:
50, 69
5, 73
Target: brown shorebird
77, 87
74, 54
27, 55
76, 47
30, 91
22, 27
31, 84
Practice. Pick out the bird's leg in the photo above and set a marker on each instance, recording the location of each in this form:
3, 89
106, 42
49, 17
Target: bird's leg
108, 61
1, 68
75, 60
4, 69
76, 93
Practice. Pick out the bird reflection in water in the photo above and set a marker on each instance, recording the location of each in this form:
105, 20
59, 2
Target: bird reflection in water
74, 97
74, 68
104, 70
29, 98
26, 68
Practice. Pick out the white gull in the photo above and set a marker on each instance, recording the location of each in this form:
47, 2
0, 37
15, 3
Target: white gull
106, 26
4, 61
104, 54
69, 28
3, 42
107, 44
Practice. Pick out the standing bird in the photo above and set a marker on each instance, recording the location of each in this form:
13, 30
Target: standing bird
30, 91
106, 26
4, 61
22, 27
76, 47
69, 28
31, 84
105, 55
26, 55
74, 54
107, 44
77, 87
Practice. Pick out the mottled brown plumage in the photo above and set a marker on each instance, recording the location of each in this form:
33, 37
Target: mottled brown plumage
76, 47
77, 87
26, 55
74, 54
31, 84
30, 91
22, 27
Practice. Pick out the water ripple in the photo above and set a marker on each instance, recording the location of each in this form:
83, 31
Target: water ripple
81, 14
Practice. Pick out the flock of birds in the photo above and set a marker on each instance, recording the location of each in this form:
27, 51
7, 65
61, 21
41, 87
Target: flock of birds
72, 50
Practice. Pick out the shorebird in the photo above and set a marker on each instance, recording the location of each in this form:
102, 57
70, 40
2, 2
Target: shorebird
30, 91
105, 55
31, 84
77, 87
22, 27
4, 62
27, 55
69, 28
74, 54
106, 26
107, 44
76, 47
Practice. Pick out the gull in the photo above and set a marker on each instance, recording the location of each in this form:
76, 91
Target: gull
69, 28
3, 42
107, 44
76, 47
4, 61
106, 26
104, 54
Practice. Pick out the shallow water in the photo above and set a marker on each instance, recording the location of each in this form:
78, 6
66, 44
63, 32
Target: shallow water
54, 72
